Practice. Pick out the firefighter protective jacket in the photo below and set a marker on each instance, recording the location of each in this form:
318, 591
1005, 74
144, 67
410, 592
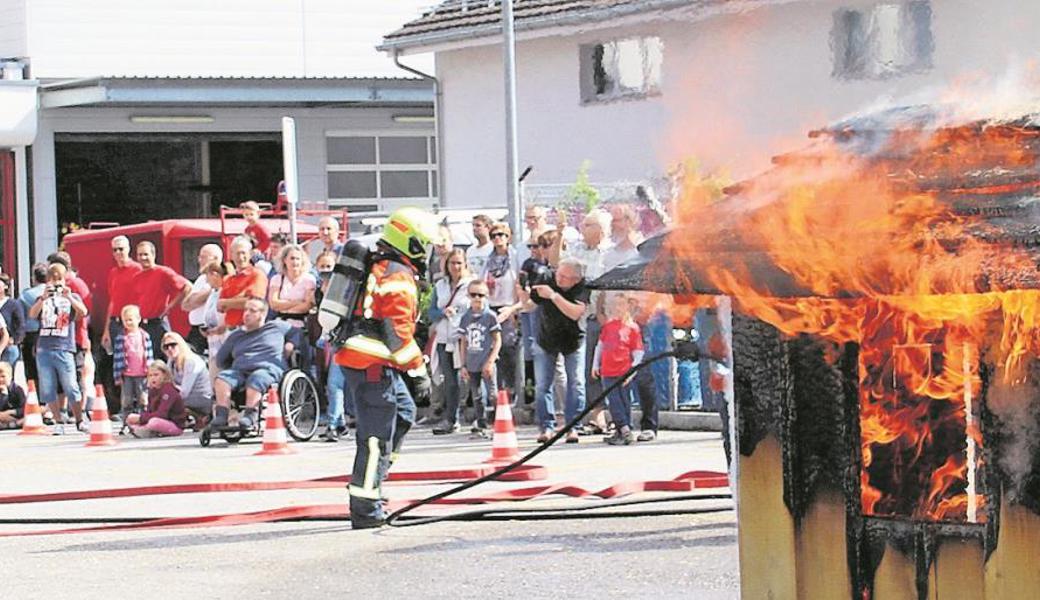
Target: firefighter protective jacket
391, 304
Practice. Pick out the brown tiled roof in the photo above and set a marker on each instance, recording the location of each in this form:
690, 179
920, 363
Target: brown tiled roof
483, 17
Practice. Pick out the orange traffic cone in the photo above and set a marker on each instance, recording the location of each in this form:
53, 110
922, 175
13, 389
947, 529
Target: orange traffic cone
275, 441
33, 422
100, 426
504, 445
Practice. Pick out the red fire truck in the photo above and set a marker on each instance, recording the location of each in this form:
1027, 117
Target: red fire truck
177, 243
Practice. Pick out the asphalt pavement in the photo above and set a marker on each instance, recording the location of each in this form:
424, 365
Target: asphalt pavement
667, 556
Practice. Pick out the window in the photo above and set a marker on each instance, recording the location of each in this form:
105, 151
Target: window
887, 40
620, 69
380, 172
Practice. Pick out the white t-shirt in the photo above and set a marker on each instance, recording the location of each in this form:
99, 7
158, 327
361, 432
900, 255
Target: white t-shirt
500, 274
197, 316
618, 256
476, 256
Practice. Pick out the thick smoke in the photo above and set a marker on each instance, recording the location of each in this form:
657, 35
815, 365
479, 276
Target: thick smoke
1015, 407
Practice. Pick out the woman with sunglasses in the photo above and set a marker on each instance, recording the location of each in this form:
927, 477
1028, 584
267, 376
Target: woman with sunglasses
502, 276
190, 376
446, 309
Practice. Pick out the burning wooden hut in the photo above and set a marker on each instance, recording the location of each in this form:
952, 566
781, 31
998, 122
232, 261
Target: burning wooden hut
885, 342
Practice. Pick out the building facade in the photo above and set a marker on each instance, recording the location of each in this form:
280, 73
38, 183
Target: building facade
155, 110
638, 86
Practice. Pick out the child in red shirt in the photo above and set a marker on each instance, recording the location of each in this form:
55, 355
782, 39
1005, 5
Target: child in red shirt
254, 228
620, 346
165, 415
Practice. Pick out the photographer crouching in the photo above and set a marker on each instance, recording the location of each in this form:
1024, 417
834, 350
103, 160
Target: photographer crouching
562, 298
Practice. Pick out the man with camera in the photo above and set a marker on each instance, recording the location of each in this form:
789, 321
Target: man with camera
562, 301
58, 309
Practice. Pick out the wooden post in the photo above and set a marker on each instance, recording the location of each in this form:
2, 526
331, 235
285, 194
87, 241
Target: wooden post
821, 544
1013, 570
766, 534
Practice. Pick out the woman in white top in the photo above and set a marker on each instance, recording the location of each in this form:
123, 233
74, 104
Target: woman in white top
189, 375
450, 302
502, 275
291, 296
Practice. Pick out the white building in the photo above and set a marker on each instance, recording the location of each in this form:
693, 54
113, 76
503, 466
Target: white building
156, 109
636, 86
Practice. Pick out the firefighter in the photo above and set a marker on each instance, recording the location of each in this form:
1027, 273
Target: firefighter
380, 352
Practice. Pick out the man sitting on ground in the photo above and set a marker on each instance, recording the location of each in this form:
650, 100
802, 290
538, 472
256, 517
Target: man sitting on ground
252, 356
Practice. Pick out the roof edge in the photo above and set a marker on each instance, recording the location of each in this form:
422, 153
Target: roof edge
596, 16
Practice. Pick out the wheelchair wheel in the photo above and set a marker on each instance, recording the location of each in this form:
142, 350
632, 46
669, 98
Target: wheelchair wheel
204, 437
300, 405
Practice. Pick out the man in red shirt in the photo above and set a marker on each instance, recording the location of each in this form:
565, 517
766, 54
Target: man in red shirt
120, 288
157, 289
247, 282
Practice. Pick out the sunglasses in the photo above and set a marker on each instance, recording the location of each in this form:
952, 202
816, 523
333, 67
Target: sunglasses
478, 295
120, 249
499, 234
169, 346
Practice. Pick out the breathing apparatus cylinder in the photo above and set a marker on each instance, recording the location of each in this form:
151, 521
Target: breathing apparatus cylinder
345, 286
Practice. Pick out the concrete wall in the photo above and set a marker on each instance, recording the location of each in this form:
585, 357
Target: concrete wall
260, 38
311, 127
736, 89
12, 28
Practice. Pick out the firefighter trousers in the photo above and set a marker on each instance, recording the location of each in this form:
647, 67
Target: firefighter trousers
385, 412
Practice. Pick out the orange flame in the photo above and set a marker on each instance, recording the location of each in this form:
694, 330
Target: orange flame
877, 248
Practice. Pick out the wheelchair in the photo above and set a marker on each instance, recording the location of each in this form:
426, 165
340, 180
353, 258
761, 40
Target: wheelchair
297, 397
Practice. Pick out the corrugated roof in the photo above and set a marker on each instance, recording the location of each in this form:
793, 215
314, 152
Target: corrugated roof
480, 17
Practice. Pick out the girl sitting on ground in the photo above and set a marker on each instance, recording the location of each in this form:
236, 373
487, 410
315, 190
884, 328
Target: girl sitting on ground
165, 415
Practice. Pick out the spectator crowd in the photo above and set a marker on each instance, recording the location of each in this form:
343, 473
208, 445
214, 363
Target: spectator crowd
512, 312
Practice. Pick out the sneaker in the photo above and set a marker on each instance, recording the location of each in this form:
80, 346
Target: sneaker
480, 434
331, 435
247, 420
83, 426
572, 437
622, 439
59, 429
446, 428
647, 435
220, 418
544, 436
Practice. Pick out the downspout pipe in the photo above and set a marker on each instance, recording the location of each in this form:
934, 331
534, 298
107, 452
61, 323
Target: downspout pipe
437, 125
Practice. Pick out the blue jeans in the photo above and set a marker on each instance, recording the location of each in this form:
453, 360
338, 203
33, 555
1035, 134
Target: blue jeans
334, 390
57, 367
451, 391
544, 367
620, 402
11, 354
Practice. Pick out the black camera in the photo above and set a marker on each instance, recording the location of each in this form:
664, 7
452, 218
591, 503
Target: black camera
538, 275
55, 290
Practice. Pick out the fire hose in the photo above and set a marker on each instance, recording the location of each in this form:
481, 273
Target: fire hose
684, 482
685, 350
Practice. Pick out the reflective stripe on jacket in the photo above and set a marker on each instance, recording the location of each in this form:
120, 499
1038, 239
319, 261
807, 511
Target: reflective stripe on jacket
391, 299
